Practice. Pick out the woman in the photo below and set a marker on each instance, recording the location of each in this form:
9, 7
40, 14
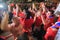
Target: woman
46, 17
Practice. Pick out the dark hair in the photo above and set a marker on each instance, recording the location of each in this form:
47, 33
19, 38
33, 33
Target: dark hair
28, 13
52, 12
10, 17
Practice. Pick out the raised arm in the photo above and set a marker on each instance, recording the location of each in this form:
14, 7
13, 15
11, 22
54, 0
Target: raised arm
43, 20
43, 10
4, 22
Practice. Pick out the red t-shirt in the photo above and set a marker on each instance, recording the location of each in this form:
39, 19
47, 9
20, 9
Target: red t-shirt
51, 21
38, 21
50, 34
22, 17
22, 21
28, 24
21, 14
58, 19
44, 14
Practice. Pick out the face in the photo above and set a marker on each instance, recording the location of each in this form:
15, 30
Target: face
15, 20
42, 4
48, 14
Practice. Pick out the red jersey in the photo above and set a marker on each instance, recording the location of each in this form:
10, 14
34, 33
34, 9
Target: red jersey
22, 21
44, 14
28, 24
58, 19
38, 21
51, 21
21, 14
50, 34
22, 17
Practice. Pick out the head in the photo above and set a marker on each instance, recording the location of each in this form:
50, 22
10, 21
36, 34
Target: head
28, 14
10, 7
15, 20
48, 14
42, 4
20, 10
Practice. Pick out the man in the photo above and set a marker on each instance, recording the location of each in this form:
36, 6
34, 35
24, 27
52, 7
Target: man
15, 27
52, 31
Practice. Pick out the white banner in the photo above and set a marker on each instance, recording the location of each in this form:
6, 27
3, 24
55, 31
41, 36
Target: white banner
57, 11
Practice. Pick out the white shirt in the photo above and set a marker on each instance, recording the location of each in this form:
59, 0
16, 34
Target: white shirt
58, 35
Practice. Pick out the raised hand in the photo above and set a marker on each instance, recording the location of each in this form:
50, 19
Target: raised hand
4, 23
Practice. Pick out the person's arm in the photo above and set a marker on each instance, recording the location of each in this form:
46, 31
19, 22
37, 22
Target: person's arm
21, 29
43, 10
35, 18
4, 23
44, 20
9, 8
17, 9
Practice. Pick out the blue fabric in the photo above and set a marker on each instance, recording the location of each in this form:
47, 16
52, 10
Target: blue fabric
57, 23
30, 16
53, 26
50, 16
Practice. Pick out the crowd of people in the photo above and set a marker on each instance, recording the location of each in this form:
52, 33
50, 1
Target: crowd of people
31, 22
